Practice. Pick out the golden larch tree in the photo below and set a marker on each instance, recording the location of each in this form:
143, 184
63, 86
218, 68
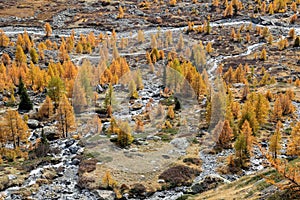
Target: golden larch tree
248, 114
124, 138
261, 107
140, 36
108, 181
121, 13
79, 100
249, 138
263, 54
65, 116
20, 55
180, 44
48, 29
16, 128
275, 141
47, 108
277, 110
226, 135
170, 112
209, 48
4, 39
294, 141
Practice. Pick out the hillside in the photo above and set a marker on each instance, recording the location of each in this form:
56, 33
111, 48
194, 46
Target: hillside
149, 99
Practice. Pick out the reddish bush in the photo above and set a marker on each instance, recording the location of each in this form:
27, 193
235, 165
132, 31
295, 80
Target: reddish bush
179, 175
87, 166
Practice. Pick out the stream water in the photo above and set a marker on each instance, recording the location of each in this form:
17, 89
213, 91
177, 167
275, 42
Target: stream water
64, 186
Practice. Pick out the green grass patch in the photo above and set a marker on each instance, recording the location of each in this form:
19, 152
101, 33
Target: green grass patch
91, 154
249, 181
263, 185
105, 159
294, 161
95, 138
168, 102
287, 131
164, 137
98, 156
276, 177
141, 135
171, 131
183, 197
254, 179
249, 194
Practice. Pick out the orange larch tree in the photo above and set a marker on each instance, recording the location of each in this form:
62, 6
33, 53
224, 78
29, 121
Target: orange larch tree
16, 128
65, 116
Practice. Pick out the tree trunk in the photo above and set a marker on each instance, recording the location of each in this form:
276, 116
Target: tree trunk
18, 142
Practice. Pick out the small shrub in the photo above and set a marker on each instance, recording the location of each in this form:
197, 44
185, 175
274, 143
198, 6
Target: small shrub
84, 182
138, 190
87, 165
195, 161
179, 175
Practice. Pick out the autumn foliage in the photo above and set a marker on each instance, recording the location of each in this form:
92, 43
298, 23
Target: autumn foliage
65, 116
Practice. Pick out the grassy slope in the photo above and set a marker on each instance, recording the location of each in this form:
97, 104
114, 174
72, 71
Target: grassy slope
249, 187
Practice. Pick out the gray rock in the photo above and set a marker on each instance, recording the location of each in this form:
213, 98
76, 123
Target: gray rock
75, 161
209, 182
151, 137
104, 194
74, 150
32, 123
69, 143
134, 149
66, 152
49, 173
51, 133
180, 143
238, 85
11, 177
160, 181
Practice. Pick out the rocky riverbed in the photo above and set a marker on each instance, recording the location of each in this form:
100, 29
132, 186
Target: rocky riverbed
59, 180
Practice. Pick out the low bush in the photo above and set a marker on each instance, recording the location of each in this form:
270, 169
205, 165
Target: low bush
87, 166
179, 175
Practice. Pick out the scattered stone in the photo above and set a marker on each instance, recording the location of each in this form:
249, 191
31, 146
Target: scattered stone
209, 182
160, 181
11, 177
153, 137
4, 180
49, 173
42, 181
180, 143
75, 161
136, 106
138, 190
104, 194
134, 149
51, 133
73, 150
32, 123
69, 143
87, 166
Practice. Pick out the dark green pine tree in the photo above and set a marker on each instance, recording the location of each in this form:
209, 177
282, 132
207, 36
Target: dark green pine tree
25, 103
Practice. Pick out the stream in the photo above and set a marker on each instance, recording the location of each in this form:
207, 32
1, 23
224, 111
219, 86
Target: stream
64, 185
